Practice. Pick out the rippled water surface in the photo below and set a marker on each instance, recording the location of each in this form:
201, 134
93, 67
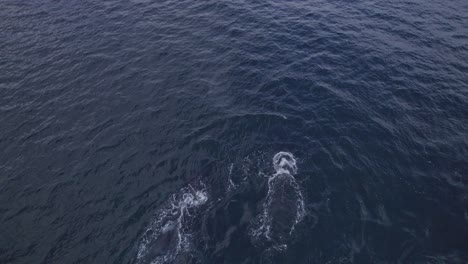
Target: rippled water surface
183, 131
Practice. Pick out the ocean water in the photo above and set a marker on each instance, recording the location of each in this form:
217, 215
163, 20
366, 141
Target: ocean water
183, 131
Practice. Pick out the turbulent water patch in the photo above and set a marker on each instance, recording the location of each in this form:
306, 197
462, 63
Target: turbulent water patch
170, 234
170, 237
283, 207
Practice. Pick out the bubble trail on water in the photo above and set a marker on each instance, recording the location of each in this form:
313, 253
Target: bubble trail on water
169, 234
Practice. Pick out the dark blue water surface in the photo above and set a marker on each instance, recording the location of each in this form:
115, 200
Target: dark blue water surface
183, 131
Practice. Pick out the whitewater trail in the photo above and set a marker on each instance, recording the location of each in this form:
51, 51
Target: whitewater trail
169, 238
283, 207
169, 234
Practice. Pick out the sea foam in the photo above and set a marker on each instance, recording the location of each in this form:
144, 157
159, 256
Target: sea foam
169, 234
283, 207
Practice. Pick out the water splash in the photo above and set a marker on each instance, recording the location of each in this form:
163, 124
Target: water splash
169, 234
283, 207
231, 184
284, 162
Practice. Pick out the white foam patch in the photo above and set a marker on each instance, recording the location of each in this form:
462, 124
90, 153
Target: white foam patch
284, 162
169, 234
283, 207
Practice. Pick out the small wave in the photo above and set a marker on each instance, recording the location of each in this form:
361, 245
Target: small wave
283, 207
169, 234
